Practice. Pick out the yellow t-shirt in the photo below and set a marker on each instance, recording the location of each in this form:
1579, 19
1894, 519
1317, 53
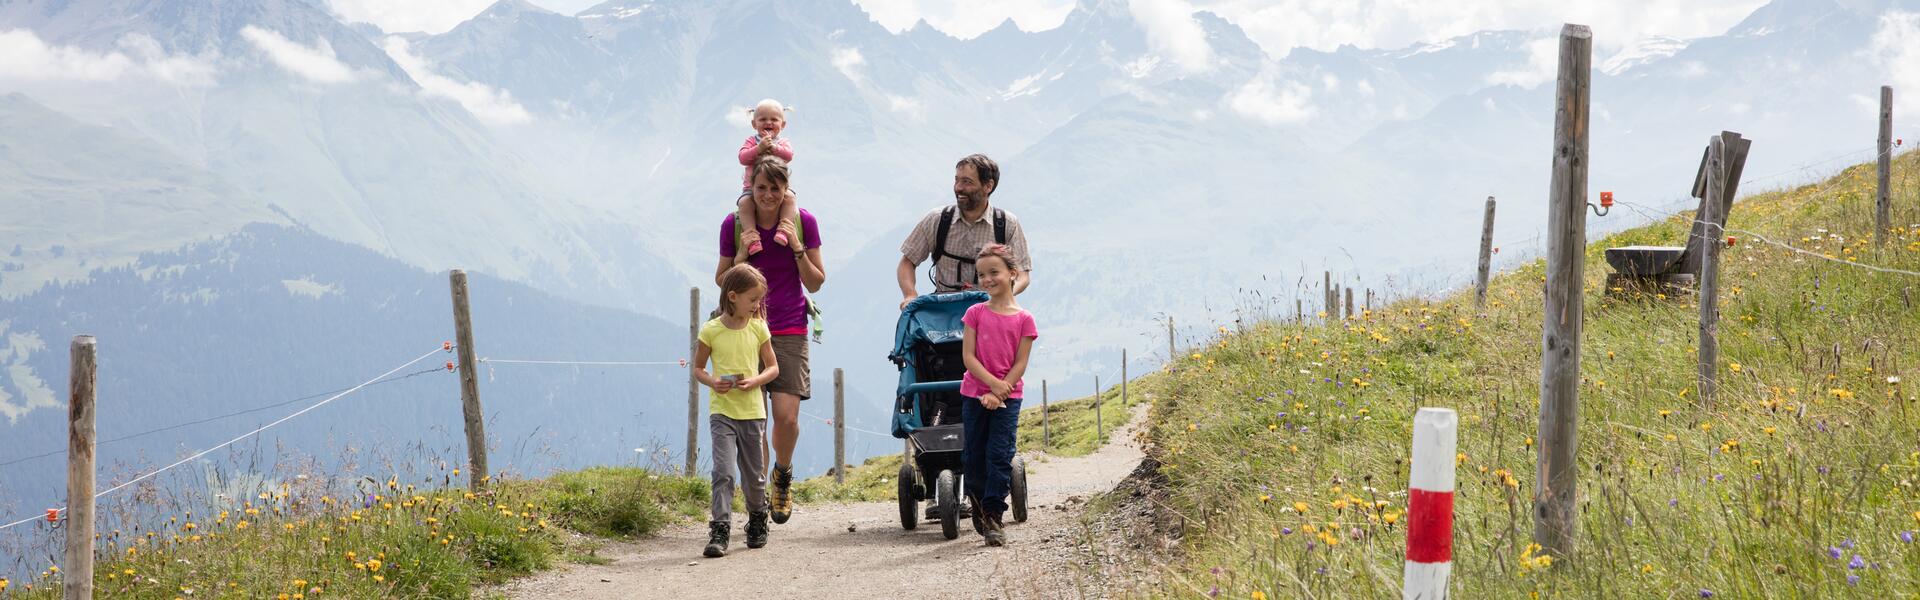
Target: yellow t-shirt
736, 352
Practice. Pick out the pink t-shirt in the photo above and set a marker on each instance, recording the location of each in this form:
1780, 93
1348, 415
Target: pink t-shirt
750, 152
996, 342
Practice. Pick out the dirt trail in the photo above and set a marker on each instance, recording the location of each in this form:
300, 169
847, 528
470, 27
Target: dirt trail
858, 550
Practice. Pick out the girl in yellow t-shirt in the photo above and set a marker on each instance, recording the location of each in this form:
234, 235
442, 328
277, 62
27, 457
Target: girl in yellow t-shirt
741, 348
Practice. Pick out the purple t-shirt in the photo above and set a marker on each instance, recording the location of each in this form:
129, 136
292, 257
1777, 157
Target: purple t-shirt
996, 343
786, 297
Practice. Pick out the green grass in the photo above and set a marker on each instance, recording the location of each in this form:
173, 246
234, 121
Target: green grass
1067, 429
1286, 446
402, 544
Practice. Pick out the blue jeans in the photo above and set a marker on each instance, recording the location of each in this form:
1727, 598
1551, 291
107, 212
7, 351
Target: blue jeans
988, 453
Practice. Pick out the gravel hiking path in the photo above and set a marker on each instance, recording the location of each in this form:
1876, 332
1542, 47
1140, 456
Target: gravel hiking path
858, 550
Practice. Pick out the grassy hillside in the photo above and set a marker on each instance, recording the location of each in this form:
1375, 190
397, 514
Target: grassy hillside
1286, 446
397, 543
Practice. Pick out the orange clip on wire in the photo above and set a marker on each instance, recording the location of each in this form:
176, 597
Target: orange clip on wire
53, 515
1606, 199
446, 346
1731, 240
449, 365
683, 363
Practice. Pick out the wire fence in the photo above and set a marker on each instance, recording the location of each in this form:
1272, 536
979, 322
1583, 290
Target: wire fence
54, 512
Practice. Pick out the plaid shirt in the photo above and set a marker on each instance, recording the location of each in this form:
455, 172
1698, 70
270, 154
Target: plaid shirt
963, 239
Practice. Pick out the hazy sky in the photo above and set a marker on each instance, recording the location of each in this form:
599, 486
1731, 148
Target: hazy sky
1278, 25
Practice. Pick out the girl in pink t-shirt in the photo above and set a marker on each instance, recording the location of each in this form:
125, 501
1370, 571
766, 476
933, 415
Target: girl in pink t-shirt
999, 337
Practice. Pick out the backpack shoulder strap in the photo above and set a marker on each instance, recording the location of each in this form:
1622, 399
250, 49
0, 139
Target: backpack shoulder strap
940, 236
999, 226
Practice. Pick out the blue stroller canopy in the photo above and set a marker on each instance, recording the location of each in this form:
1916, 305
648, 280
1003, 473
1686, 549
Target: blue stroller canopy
935, 319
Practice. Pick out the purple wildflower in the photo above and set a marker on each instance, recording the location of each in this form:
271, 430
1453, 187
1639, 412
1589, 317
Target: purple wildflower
1216, 570
1847, 543
1822, 469
1706, 593
1286, 531
1857, 563
1833, 553
1215, 593
1289, 392
1906, 536
1673, 502
1853, 579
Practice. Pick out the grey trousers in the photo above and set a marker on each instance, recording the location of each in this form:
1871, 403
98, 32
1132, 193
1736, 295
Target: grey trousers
737, 441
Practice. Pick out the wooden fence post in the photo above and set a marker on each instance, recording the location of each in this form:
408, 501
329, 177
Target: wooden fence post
839, 426
1486, 258
1123, 378
693, 385
80, 472
1171, 356
1046, 432
1349, 313
1709, 352
1554, 485
1326, 296
1882, 203
476, 419
1098, 429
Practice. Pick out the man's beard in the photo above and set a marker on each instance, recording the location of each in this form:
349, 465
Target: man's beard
967, 202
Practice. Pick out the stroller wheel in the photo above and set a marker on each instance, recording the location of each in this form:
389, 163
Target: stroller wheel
948, 490
909, 518
1019, 489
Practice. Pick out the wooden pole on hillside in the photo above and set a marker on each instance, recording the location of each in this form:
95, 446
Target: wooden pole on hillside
80, 470
1882, 202
1486, 258
693, 385
1123, 378
1553, 492
1707, 380
1098, 428
1349, 313
1328, 310
839, 426
1046, 431
476, 421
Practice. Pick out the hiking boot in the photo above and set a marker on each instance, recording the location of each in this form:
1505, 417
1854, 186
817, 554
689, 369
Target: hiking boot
994, 535
717, 538
782, 493
757, 530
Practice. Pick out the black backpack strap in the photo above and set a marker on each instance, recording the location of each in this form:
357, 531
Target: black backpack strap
940, 237
999, 226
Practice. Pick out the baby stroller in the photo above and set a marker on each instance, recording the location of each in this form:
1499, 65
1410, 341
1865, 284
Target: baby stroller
926, 348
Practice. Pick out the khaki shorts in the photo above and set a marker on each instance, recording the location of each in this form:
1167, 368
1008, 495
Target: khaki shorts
796, 375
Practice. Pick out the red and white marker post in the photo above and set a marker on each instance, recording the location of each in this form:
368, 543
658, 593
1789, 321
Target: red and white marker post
1430, 504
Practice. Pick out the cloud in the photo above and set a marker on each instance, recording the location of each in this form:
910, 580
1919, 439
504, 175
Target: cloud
1171, 30
429, 16
1896, 49
1543, 65
487, 103
25, 57
848, 61
316, 64
1268, 98
906, 106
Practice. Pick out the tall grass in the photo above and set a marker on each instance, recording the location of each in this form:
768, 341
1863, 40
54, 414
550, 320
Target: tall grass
1286, 447
398, 542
